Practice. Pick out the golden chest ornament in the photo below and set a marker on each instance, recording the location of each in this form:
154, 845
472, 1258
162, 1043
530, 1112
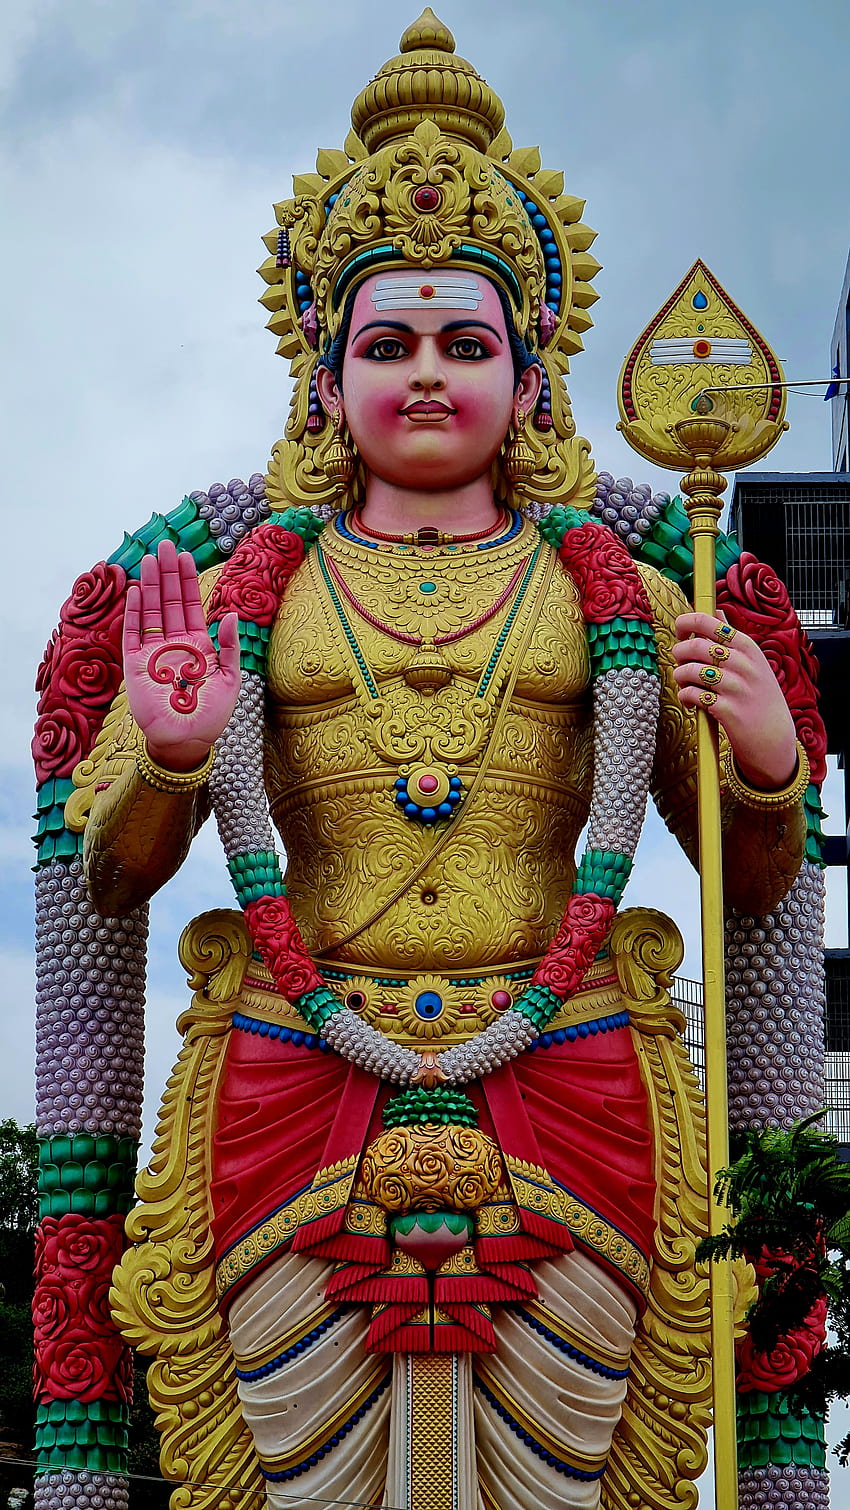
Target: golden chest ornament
428, 721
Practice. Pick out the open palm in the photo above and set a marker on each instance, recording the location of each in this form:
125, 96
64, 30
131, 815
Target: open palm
181, 691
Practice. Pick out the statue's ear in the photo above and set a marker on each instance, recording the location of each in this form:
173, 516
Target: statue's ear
528, 389
328, 390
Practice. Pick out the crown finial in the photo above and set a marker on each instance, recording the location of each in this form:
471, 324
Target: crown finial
427, 81
427, 31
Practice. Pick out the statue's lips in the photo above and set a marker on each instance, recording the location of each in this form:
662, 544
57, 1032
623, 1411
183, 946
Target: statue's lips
427, 412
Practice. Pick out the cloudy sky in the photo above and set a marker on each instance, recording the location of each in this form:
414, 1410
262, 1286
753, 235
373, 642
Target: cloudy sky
142, 145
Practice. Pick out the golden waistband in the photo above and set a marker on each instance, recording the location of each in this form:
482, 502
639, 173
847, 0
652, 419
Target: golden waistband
429, 1009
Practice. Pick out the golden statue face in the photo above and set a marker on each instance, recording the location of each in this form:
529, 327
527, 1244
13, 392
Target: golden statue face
428, 382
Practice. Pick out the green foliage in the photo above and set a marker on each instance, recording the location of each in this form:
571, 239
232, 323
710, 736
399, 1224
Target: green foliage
789, 1193
18, 1176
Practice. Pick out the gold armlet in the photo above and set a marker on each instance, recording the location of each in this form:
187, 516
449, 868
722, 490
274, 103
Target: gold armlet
750, 796
172, 782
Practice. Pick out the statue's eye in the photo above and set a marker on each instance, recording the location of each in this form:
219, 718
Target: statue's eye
387, 349
467, 349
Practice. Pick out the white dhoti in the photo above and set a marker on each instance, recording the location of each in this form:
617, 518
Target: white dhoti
528, 1425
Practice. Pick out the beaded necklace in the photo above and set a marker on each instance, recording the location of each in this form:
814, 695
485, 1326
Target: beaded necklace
624, 669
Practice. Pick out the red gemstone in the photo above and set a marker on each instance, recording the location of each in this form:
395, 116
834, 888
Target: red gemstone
427, 783
501, 1000
427, 199
427, 291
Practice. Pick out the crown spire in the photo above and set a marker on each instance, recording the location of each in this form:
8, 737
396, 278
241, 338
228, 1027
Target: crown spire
427, 81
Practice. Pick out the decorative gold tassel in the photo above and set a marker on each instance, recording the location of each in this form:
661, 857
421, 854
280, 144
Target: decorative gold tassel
519, 460
339, 461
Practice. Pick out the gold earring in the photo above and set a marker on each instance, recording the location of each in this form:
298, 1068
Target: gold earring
339, 460
519, 460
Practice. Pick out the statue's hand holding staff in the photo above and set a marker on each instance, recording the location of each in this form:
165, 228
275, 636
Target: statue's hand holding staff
181, 692
724, 671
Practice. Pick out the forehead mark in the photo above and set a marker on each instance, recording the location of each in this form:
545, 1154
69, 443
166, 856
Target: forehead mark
444, 291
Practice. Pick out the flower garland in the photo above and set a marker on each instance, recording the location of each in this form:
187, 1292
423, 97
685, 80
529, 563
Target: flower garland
624, 669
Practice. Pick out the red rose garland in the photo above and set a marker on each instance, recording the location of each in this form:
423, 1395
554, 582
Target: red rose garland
755, 600
78, 1353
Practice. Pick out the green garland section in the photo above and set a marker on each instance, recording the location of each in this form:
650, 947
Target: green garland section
539, 1005
54, 840
90, 1175
318, 1006
301, 522
560, 519
253, 645
769, 1433
668, 547
182, 526
418, 1106
81, 1437
815, 815
256, 874
621, 642
605, 872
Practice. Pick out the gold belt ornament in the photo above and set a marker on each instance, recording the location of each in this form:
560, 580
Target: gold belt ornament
426, 1009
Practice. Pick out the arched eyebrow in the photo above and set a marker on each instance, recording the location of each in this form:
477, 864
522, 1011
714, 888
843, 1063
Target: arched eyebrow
471, 325
444, 329
384, 325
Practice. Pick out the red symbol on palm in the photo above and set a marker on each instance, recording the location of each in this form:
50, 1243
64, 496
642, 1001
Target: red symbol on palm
184, 677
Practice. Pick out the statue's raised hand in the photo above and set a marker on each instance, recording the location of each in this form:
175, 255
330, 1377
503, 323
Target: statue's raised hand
181, 692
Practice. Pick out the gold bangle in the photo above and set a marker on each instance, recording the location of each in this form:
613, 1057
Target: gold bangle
751, 796
172, 782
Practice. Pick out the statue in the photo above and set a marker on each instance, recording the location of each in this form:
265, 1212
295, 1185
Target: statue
427, 1182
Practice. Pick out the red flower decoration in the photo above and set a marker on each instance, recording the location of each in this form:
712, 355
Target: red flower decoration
278, 941
79, 1354
62, 737
752, 592
755, 601
97, 599
253, 581
585, 926
789, 1360
86, 673
608, 581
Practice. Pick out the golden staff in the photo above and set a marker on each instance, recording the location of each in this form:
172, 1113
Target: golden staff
668, 417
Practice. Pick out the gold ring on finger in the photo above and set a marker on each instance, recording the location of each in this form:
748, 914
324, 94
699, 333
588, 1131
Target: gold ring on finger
153, 629
718, 652
708, 699
710, 676
724, 632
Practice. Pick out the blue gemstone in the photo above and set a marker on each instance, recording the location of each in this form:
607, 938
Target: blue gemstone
427, 587
297, 1039
401, 797
453, 798
401, 784
412, 810
531, 207
583, 1030
444, 810
428, 1005
699, 300
427, 814
454, 783
546, 238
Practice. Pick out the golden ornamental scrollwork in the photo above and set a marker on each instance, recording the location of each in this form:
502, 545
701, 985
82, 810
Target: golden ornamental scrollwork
114, 749
659, 1447
163, 1296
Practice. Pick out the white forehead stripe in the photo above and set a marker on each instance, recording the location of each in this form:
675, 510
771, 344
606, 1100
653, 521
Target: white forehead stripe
443, 291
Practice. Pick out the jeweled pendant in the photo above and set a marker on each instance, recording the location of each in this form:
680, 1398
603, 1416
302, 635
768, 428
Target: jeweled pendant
428, 793
428, 671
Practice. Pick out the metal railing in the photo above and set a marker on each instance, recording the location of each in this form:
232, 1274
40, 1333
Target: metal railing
687, 996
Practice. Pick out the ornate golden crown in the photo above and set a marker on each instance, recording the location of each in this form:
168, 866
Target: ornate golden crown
428, 177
